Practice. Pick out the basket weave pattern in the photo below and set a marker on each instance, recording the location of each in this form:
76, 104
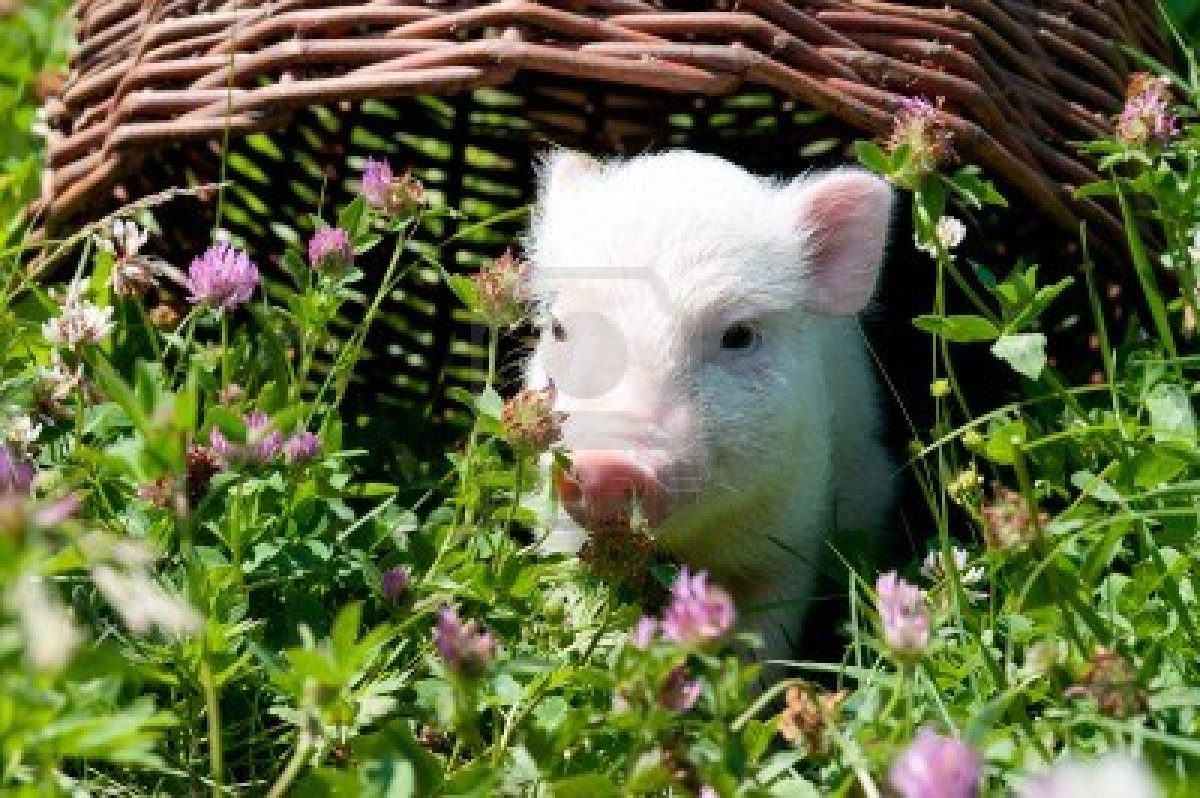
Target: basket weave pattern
1022, 79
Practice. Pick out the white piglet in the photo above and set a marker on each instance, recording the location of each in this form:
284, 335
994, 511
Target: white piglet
701, 334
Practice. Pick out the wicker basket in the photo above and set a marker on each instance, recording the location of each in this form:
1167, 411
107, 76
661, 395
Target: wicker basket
298, 90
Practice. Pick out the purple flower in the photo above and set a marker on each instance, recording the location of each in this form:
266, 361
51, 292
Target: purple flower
223, 277
905, 616
936, 767
301, 447
644, 632
698, 612
1147, 117
395, 582
330, 250
464, 647
16, 473
377, 182
679, 693
262, 442
223, 450
395, 195
919, 127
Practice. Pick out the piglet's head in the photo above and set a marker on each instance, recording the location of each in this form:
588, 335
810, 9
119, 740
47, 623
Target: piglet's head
688, 311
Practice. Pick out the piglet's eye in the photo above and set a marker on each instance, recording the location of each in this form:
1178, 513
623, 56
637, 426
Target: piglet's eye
741, 337
558, 330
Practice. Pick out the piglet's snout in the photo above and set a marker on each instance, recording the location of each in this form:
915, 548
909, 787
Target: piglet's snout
603, 488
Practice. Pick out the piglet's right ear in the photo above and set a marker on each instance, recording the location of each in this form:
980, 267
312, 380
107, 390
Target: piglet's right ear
842, 218
563, 170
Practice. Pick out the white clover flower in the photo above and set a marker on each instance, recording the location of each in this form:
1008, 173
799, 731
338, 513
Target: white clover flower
80, 321
1112, 776
132, 273
47, 630
948, 233
933, 568
143, 604
22, 431
129, 237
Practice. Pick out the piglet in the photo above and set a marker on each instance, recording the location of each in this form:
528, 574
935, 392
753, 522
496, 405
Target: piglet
700, 331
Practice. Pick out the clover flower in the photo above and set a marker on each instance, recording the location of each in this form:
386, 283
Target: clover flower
1111, 776
133, 274
165, 316
263, 442
807, 715
933, 567
698, 612
394, 195
502, 293
223, 277
1146, 118
948, 234
936, 767
79, 321
301, 447
643, 634
16, 473
466, 648
22, 431
620, 553
919, 127
530, 422
330, 250
1008, 522
1112, 682
679, 693
905, 616
202, 464
395, 583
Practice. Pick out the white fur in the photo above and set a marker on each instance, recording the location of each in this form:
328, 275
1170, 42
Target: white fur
645, 262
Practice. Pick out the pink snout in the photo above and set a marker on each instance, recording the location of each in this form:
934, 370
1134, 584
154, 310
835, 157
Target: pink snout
603, 487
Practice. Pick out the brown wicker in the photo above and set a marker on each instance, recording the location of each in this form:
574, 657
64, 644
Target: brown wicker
1022, 79
296, 91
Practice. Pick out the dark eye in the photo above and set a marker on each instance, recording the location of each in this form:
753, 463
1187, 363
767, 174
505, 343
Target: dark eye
558, 330
741, 336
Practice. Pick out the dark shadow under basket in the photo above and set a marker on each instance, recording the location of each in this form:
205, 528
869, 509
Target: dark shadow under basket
467, 93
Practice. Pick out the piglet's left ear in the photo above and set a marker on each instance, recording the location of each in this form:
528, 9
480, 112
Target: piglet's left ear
842, 218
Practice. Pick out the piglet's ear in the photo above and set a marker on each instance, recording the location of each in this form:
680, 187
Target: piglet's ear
843, 218
563, 170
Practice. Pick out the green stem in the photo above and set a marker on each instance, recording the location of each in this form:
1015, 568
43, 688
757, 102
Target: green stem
224, 349
1145, 274
294, 766
212, 703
